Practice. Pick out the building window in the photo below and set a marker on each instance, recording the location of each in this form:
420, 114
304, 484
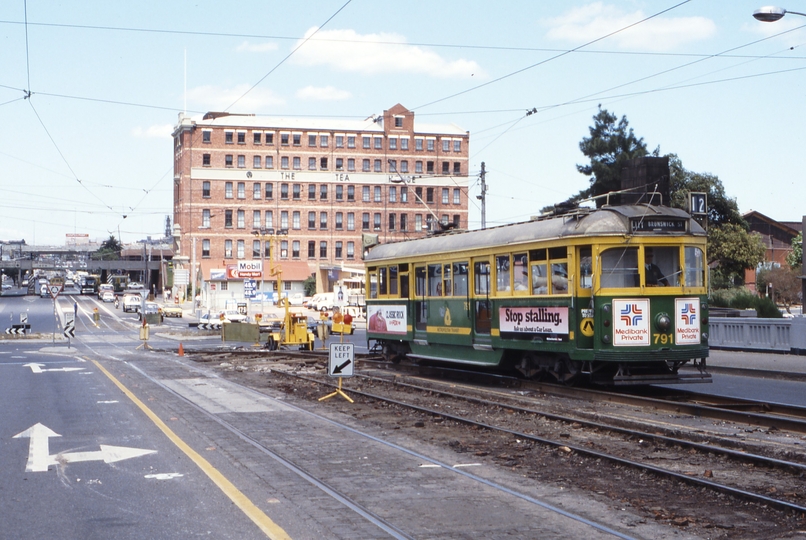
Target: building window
297, 164
206, 189
284, 219
350, 221
228, 135
267, 250
366, 142
404, 222
297, 139
255, 249
365, 165
323, 220
378, 166
323, 141
205, 160
456, 196
295, 220
269, 162
206, 218
404, 166
323, 250
404, 194
446, 145
323, 164
457, 146
339, 164
269, 138
241, 219
350, 164
418, 222
241, 190
255, 219
393, 165
429, 144
429, 167
350, 250
256, 162
207, 136
284, 191
404, 143
339, 221
256, 137
228, 190
377, 191
311, 163
256, 190
284, 162
456, 220
323, 192
378, 143
339, 192
241, 137
294, 252
376, 221
311, 249
296, 191
445, 195
228, 160
365, 221
338, 250
311, 220
284, 249
284, 138
365, 193
392, 194
241, 249
418, 145
350, 141
269, 219
392, 143
227, 249
339, 141
418, 166
350, 193
391, 222
205, 248
445, 167
398, 121
429, 195
311, 140
269, 190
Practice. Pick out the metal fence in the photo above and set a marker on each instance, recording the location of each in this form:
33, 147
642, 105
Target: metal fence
755, 334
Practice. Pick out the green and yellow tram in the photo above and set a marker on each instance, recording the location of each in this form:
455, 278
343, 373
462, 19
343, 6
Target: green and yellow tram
617, 295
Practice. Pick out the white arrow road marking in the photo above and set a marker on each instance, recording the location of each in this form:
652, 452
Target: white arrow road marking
38, 447
39, 458
37, 368
164, 476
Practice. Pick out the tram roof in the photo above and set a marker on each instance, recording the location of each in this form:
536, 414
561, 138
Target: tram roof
605, 221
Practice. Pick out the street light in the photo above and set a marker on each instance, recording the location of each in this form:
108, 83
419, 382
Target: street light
773, 13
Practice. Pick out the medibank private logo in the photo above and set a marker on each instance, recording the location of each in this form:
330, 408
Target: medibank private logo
631, 325
250, 266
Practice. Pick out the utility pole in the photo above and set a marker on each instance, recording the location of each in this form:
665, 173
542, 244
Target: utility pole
483, 197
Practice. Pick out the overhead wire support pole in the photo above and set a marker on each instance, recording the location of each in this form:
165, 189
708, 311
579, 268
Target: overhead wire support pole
483, 196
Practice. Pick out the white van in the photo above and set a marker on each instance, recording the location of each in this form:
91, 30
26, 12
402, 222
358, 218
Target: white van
323, 301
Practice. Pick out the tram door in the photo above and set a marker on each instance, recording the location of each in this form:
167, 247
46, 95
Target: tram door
420, 303
584, 294
481, 310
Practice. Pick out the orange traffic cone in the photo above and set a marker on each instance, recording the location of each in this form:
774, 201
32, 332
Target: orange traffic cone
181, 350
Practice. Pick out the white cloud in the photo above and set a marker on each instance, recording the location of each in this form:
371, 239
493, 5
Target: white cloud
322, 93
256, 47
213, 98
159, 132
663, 33
346, 50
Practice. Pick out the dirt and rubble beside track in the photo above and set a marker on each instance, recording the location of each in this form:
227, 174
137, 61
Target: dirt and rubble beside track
696, 510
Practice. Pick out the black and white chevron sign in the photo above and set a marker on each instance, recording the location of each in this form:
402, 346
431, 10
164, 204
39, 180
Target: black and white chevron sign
18, 329
70, 329
209, 326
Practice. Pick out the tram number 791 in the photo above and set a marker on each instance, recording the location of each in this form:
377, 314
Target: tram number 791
664, 339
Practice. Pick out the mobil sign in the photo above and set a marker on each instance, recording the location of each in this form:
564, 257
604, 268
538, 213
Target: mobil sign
245, 270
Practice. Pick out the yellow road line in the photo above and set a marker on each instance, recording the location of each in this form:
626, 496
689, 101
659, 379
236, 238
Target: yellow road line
270, 528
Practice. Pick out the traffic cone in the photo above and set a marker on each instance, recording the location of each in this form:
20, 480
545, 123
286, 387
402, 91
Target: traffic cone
181, 350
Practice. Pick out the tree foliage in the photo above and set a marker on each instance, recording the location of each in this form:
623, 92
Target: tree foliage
612, 143
795, 258
782, 283
109, 250
721, 208
733, 250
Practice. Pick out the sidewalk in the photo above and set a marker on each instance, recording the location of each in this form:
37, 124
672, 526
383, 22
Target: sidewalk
788, 363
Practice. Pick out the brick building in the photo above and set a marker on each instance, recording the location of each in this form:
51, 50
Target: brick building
324, 181
777, 237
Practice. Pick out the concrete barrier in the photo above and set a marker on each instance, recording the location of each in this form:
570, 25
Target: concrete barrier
751, 333
245, 332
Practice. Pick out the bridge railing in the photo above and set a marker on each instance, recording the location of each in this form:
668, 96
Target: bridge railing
756, 334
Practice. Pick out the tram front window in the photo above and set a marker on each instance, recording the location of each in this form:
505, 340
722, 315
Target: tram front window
620, 268
695, 267
662, 266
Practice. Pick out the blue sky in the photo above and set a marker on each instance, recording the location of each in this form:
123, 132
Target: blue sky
90, 150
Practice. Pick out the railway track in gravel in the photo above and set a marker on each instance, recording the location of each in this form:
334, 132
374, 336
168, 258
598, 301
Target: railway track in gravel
737, 473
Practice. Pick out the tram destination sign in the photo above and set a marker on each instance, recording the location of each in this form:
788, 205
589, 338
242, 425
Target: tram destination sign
652, 224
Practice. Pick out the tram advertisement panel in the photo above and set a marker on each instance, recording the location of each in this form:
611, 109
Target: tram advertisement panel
545, 320
386, 319
630, 322
687, 324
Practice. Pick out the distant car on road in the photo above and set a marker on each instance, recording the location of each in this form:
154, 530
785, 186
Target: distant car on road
134, 285
230, 315
172, 311
131, 302
108, 296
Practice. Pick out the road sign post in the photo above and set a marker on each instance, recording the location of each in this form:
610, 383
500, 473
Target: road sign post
340, 364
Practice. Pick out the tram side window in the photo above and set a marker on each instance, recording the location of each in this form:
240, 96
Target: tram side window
695, 267
585, 268
559, 277
481, 278
434, 280
404, 285
446, 280
373, 282
460, 279
540, 281
382, 281
620, 267
502, 273
419, 281
520, 272
662, 266
393, 280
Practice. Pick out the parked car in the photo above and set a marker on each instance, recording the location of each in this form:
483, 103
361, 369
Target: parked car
108, 296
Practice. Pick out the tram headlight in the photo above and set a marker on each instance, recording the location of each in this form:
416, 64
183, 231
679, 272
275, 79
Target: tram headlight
705, 337
663, 322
